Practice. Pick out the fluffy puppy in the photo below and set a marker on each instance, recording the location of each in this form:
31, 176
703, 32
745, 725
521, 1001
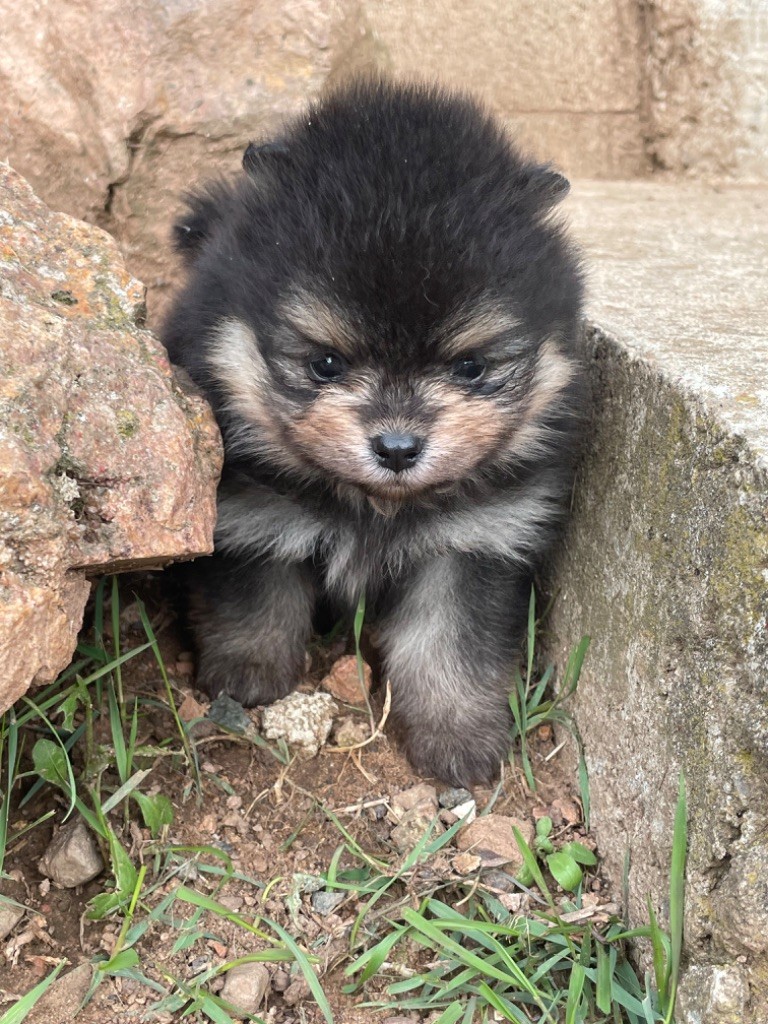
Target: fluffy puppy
382, 313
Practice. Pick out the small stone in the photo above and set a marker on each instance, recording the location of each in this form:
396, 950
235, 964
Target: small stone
466, 863
324, 903
449, 798
411, 828
511, 901
296, 992
491, 838
343, 681
228, 714
303, 720
466, 810
350, 732
281, 980
73, 857
190, 709
245, 987
500, 880
10, 915
422, 796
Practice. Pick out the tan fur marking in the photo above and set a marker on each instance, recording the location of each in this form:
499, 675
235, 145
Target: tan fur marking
554, 372
321, 323
474, 326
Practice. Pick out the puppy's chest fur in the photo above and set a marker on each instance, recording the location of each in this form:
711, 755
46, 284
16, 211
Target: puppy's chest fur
357, 549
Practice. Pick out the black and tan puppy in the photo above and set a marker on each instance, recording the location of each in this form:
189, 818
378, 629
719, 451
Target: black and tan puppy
383, 314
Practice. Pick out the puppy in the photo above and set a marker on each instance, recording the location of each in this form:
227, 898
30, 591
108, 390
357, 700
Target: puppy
383, 313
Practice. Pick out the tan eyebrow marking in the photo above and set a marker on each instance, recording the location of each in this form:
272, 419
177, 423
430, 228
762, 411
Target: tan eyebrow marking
320, 322
472, 327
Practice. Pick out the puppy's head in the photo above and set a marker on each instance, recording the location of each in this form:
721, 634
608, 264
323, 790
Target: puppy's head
382, 300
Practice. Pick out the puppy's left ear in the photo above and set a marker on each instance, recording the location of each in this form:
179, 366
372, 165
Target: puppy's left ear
548, 187
260, 157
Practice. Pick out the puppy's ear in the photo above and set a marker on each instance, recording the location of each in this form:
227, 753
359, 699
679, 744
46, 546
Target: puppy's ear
261, 157
547, 186
204, 210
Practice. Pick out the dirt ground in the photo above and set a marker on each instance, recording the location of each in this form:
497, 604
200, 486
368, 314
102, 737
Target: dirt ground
266, 816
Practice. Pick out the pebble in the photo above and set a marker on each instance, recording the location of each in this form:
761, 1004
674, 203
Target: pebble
230, 715
73, 857
423, 797
449, 798
324, 903
280, 980
410, 829
343, 681
466, 810
303, 720
245, 987
466, 863
491, 838
350, 732
10, 915
296, 992
500, 880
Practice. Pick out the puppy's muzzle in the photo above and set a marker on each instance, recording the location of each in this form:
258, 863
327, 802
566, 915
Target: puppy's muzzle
397, 452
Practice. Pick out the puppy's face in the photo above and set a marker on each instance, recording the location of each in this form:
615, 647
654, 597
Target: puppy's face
394, 413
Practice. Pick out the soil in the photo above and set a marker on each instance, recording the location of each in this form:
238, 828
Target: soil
266, 816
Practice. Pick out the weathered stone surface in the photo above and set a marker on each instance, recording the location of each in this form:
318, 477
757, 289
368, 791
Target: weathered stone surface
303, 720
73, 857
112, 110
245, 987
343, 681
707, 87
666, 563
106, 461
492, 839
566, 75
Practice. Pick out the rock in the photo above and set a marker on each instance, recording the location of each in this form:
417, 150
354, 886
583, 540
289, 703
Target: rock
449, 798
500, 880
713, 995
666, 555
491, 838
324, 903
108, 460
422, 796
297, 992
280, 980
303, 720
343, 681
412, 827
245, 987
466, 863
190, 709
64, 999
350, 732
466, 810
10, 915
73, 856
229, 714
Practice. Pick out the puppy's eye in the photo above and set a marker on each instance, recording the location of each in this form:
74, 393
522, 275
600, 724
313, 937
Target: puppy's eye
468, 367
328, 367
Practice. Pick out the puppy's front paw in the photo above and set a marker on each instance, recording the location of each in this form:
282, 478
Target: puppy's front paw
461, 757
247, 681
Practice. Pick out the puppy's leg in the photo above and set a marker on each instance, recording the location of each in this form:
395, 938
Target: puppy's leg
251, 624
449, 649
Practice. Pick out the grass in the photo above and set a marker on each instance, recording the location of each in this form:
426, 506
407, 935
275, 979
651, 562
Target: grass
423, 938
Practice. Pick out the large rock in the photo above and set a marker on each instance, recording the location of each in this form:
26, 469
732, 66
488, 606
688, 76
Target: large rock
106, 461
666, 565
113, 109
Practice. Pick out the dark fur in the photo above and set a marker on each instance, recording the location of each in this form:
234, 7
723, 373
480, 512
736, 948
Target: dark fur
399, 226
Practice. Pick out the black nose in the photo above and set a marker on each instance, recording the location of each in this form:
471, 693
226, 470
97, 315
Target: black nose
397, 451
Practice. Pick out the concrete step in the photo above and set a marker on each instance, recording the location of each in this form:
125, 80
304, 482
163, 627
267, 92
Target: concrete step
666, 564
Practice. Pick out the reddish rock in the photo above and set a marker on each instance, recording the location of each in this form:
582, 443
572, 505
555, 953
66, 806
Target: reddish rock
343, 681
107, 460
491, 838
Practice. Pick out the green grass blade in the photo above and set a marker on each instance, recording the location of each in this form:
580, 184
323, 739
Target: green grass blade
677, 898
